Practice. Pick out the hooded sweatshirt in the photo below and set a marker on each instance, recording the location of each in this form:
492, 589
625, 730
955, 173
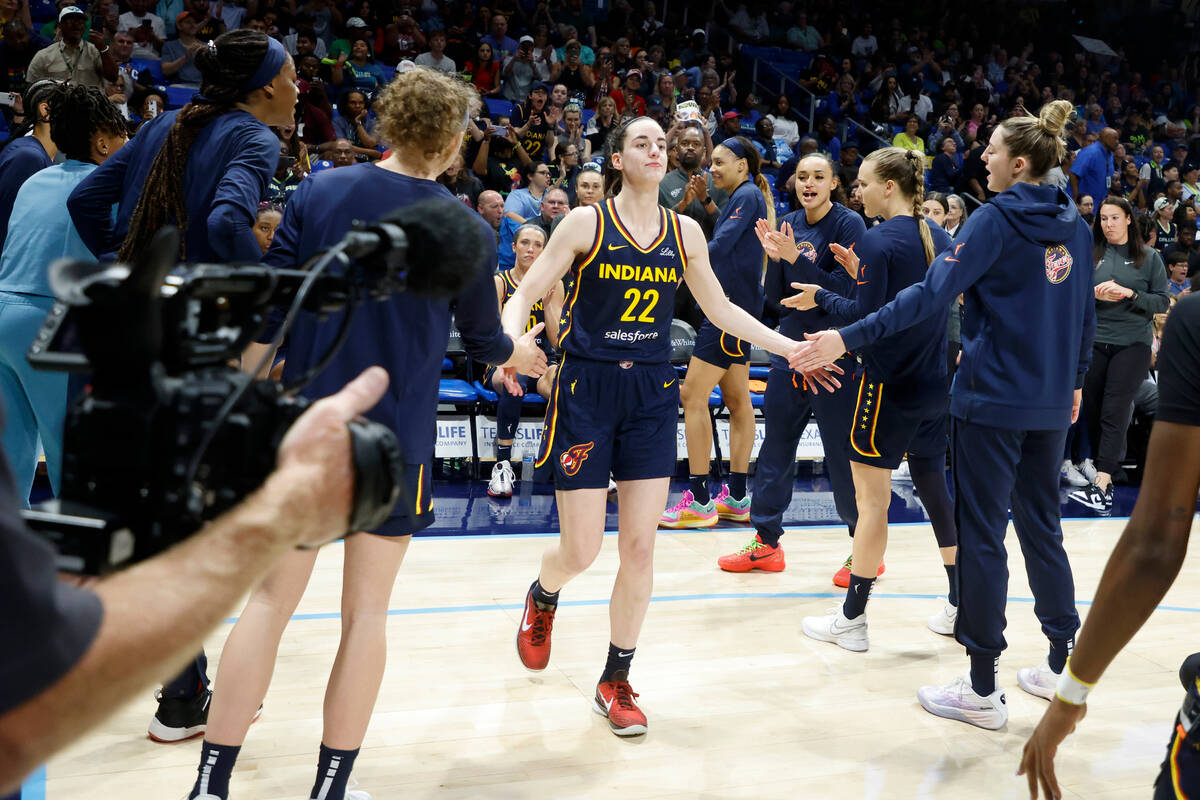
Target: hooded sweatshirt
1023, 263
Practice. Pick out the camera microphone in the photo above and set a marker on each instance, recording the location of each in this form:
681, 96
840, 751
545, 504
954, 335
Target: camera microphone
435, 248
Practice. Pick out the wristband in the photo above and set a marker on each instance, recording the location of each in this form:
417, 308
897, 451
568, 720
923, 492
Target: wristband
1071, 690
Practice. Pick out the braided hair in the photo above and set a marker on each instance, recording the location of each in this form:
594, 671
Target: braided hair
36, 94
77, 113
906, 168
226, 66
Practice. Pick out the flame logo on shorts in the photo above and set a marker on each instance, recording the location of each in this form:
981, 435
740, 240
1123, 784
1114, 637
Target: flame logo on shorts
573, 457
807, 250
1058, 263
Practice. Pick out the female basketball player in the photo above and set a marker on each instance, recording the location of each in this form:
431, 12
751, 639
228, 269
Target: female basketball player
616, 398
901, 395
422, 115
204, 168
528, 241
737, 259
1027, 337
799, 252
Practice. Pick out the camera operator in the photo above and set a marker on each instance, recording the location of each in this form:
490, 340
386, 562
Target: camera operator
423, 115
87, 129
72, 656
204, 168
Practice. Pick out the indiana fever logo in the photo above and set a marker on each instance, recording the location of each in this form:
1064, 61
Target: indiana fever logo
808, 251
573, 457
1058, 263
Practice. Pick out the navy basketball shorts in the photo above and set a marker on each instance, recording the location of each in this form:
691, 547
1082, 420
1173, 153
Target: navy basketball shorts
414, 510
885, 428
608, 416
715, 346
1179, 775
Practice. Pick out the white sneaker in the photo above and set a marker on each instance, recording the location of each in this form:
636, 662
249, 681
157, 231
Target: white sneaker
1088, 470
1070, 475
943, 621
1040, 680
352, 793
850, 634
501, 482
902, 473
957, 700
612, 485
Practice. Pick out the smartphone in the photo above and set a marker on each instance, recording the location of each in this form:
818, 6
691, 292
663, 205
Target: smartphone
8, 99
152, 107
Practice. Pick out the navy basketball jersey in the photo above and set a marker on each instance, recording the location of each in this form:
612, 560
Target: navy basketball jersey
620, 297
537, 314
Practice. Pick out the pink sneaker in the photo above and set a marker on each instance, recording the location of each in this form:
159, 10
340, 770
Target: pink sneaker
687, 513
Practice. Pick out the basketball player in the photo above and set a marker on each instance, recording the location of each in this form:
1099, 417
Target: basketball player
900, 403
1027, 338
738, 261
1140, 570
799, 252
528, 241
616, 397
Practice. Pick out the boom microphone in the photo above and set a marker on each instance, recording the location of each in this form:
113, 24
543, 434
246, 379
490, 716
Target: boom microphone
436, 248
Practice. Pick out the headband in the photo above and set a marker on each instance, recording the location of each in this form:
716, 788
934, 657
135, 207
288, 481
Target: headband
734, 146
272, 62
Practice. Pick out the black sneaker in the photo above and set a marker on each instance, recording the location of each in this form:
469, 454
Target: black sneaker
180, 718
1094, 497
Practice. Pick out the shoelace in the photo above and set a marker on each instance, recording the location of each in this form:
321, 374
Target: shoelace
847, 564
624, 695
543, 624
683, 503
750, 548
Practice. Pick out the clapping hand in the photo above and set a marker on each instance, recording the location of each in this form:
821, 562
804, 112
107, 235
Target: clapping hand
779, 245
846, 257
805, 298
822, 349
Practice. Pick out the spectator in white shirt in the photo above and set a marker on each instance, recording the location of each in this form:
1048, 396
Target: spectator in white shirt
864, 45
754, 29
436, 57
145, 27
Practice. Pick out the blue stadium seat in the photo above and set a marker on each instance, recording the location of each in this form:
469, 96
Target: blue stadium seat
153, 66
498, 108
456, 391
759, 373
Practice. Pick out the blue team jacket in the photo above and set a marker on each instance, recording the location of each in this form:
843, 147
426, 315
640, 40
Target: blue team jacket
1024, 264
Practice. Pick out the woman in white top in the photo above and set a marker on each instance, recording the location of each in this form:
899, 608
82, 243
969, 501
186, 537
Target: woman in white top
785, 127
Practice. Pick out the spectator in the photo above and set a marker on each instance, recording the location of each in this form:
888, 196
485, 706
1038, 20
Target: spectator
565, 167
946, 169
664, 92
559, 96
827, 139
764, 143
754, 28
1127, 184
945, 128
1079, 132
1186, 243
210, 26
1131, 287
572, 132
146, 104
265, 222
781, 117
29, 149
848, 164
1165, 231
974, 174
587, 56
844, 102
120, 91
73, 58
525, 202
1093, 168
499, 158
403, 40
490, 206
461, 183
358, 70
709, 101
145, 27
956, 215
305, 42
601, 124
342, 153
484, 72
1177, 274
436, 57
1087, 208
530, 118
693, 53
916, 102
1189, 176
1152, 171
803, 36
554, 205
503, 45
16, 51
865, 44
545, 58
579, 78
731, 125
627, 97
576, 19
1095, 121
519, 77
286, 179
295, 147
908, 138
356, 28
314, 112
178, 55
355, 123
936, 207
688, 189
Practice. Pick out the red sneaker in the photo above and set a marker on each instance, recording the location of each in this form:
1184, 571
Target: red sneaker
755, 555
533, 637
615, 700
842, 576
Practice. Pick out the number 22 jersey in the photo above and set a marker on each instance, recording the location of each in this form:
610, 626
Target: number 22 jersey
620, 296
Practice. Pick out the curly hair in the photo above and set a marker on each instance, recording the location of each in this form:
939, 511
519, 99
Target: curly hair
77, 113
422, 112
226, 66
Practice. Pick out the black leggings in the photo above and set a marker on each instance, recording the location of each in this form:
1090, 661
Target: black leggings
1108, 391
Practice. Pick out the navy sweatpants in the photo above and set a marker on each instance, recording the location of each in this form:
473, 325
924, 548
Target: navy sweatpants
787, 407
995, 469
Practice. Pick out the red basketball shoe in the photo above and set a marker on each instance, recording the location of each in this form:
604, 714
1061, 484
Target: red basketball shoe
615, 700
533, 637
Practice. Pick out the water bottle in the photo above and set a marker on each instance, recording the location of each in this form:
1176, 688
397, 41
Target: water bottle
527, 473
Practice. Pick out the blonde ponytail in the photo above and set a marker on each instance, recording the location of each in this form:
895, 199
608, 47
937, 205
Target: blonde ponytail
760, 181
906, 168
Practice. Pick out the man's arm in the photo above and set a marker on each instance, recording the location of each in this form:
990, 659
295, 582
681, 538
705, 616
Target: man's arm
153, 622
